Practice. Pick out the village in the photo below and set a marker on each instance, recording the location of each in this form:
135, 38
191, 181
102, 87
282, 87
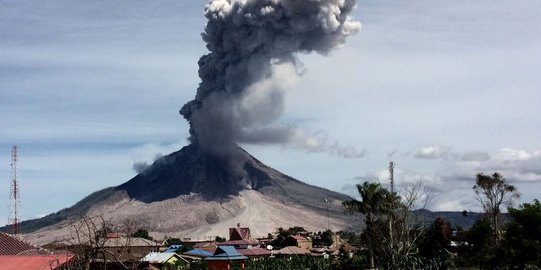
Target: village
390, 240
115, 250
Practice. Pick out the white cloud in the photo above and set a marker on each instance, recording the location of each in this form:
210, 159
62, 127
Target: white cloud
509, 154
433, 152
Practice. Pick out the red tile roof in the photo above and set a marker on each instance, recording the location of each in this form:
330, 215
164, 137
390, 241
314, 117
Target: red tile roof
35, 262
10, 245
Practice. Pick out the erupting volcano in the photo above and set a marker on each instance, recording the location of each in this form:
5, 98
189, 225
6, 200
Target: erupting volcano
213, 184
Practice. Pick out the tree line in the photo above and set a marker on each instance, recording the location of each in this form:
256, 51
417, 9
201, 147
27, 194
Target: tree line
396, 239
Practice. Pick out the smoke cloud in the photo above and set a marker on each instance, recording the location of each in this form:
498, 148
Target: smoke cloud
253, 48
140, 166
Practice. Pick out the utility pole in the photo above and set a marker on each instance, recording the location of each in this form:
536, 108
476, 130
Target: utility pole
328, 214
391, 175
391, 240
14, 194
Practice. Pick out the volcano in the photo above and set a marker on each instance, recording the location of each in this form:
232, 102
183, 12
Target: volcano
212, 184
192, 194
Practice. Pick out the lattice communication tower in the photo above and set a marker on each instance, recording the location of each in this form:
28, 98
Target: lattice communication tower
14, 196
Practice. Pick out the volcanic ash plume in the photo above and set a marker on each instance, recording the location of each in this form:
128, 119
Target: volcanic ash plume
253, 46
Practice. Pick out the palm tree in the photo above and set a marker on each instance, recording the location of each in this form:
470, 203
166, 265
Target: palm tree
372, 203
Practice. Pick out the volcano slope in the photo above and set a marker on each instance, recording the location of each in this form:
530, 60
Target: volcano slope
191, 194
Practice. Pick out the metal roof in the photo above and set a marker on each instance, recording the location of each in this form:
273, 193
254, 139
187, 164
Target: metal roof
226, 253
157, 257
173, 248
254, 252
10, 245
198, 253
130, 241
292, 250
35, 262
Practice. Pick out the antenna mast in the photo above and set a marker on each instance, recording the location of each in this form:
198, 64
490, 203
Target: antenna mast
391, 173
391, 232
14, 194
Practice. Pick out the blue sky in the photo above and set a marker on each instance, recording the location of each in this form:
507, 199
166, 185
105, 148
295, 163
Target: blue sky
445, 89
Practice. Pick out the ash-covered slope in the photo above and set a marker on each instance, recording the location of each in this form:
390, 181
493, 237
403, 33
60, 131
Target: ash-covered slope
207, 194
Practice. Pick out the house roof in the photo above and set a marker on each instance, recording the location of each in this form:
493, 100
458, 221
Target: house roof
292, 250
254, 252
205, 244
226, 253
239, 233
131, 241
35, 262
114, 235
173, 248
10, 245
157, 257
198, 253
239, 242
299, 238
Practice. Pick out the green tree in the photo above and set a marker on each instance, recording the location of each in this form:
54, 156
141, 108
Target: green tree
371, 205
282, 235
479, 252
522, 241
351, 237
435, 243
172, 241
436, 240
142, 233
325, 238
493, 192
219, 239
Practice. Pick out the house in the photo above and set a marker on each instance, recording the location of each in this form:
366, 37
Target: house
239, 238
20, 255
164, 261
205, 244
298, 241
292, 250
10, 245
225, 258
198, 253
255, 252
241, 244
129, 249
172, 248
37, 261
120, 252
239, 233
